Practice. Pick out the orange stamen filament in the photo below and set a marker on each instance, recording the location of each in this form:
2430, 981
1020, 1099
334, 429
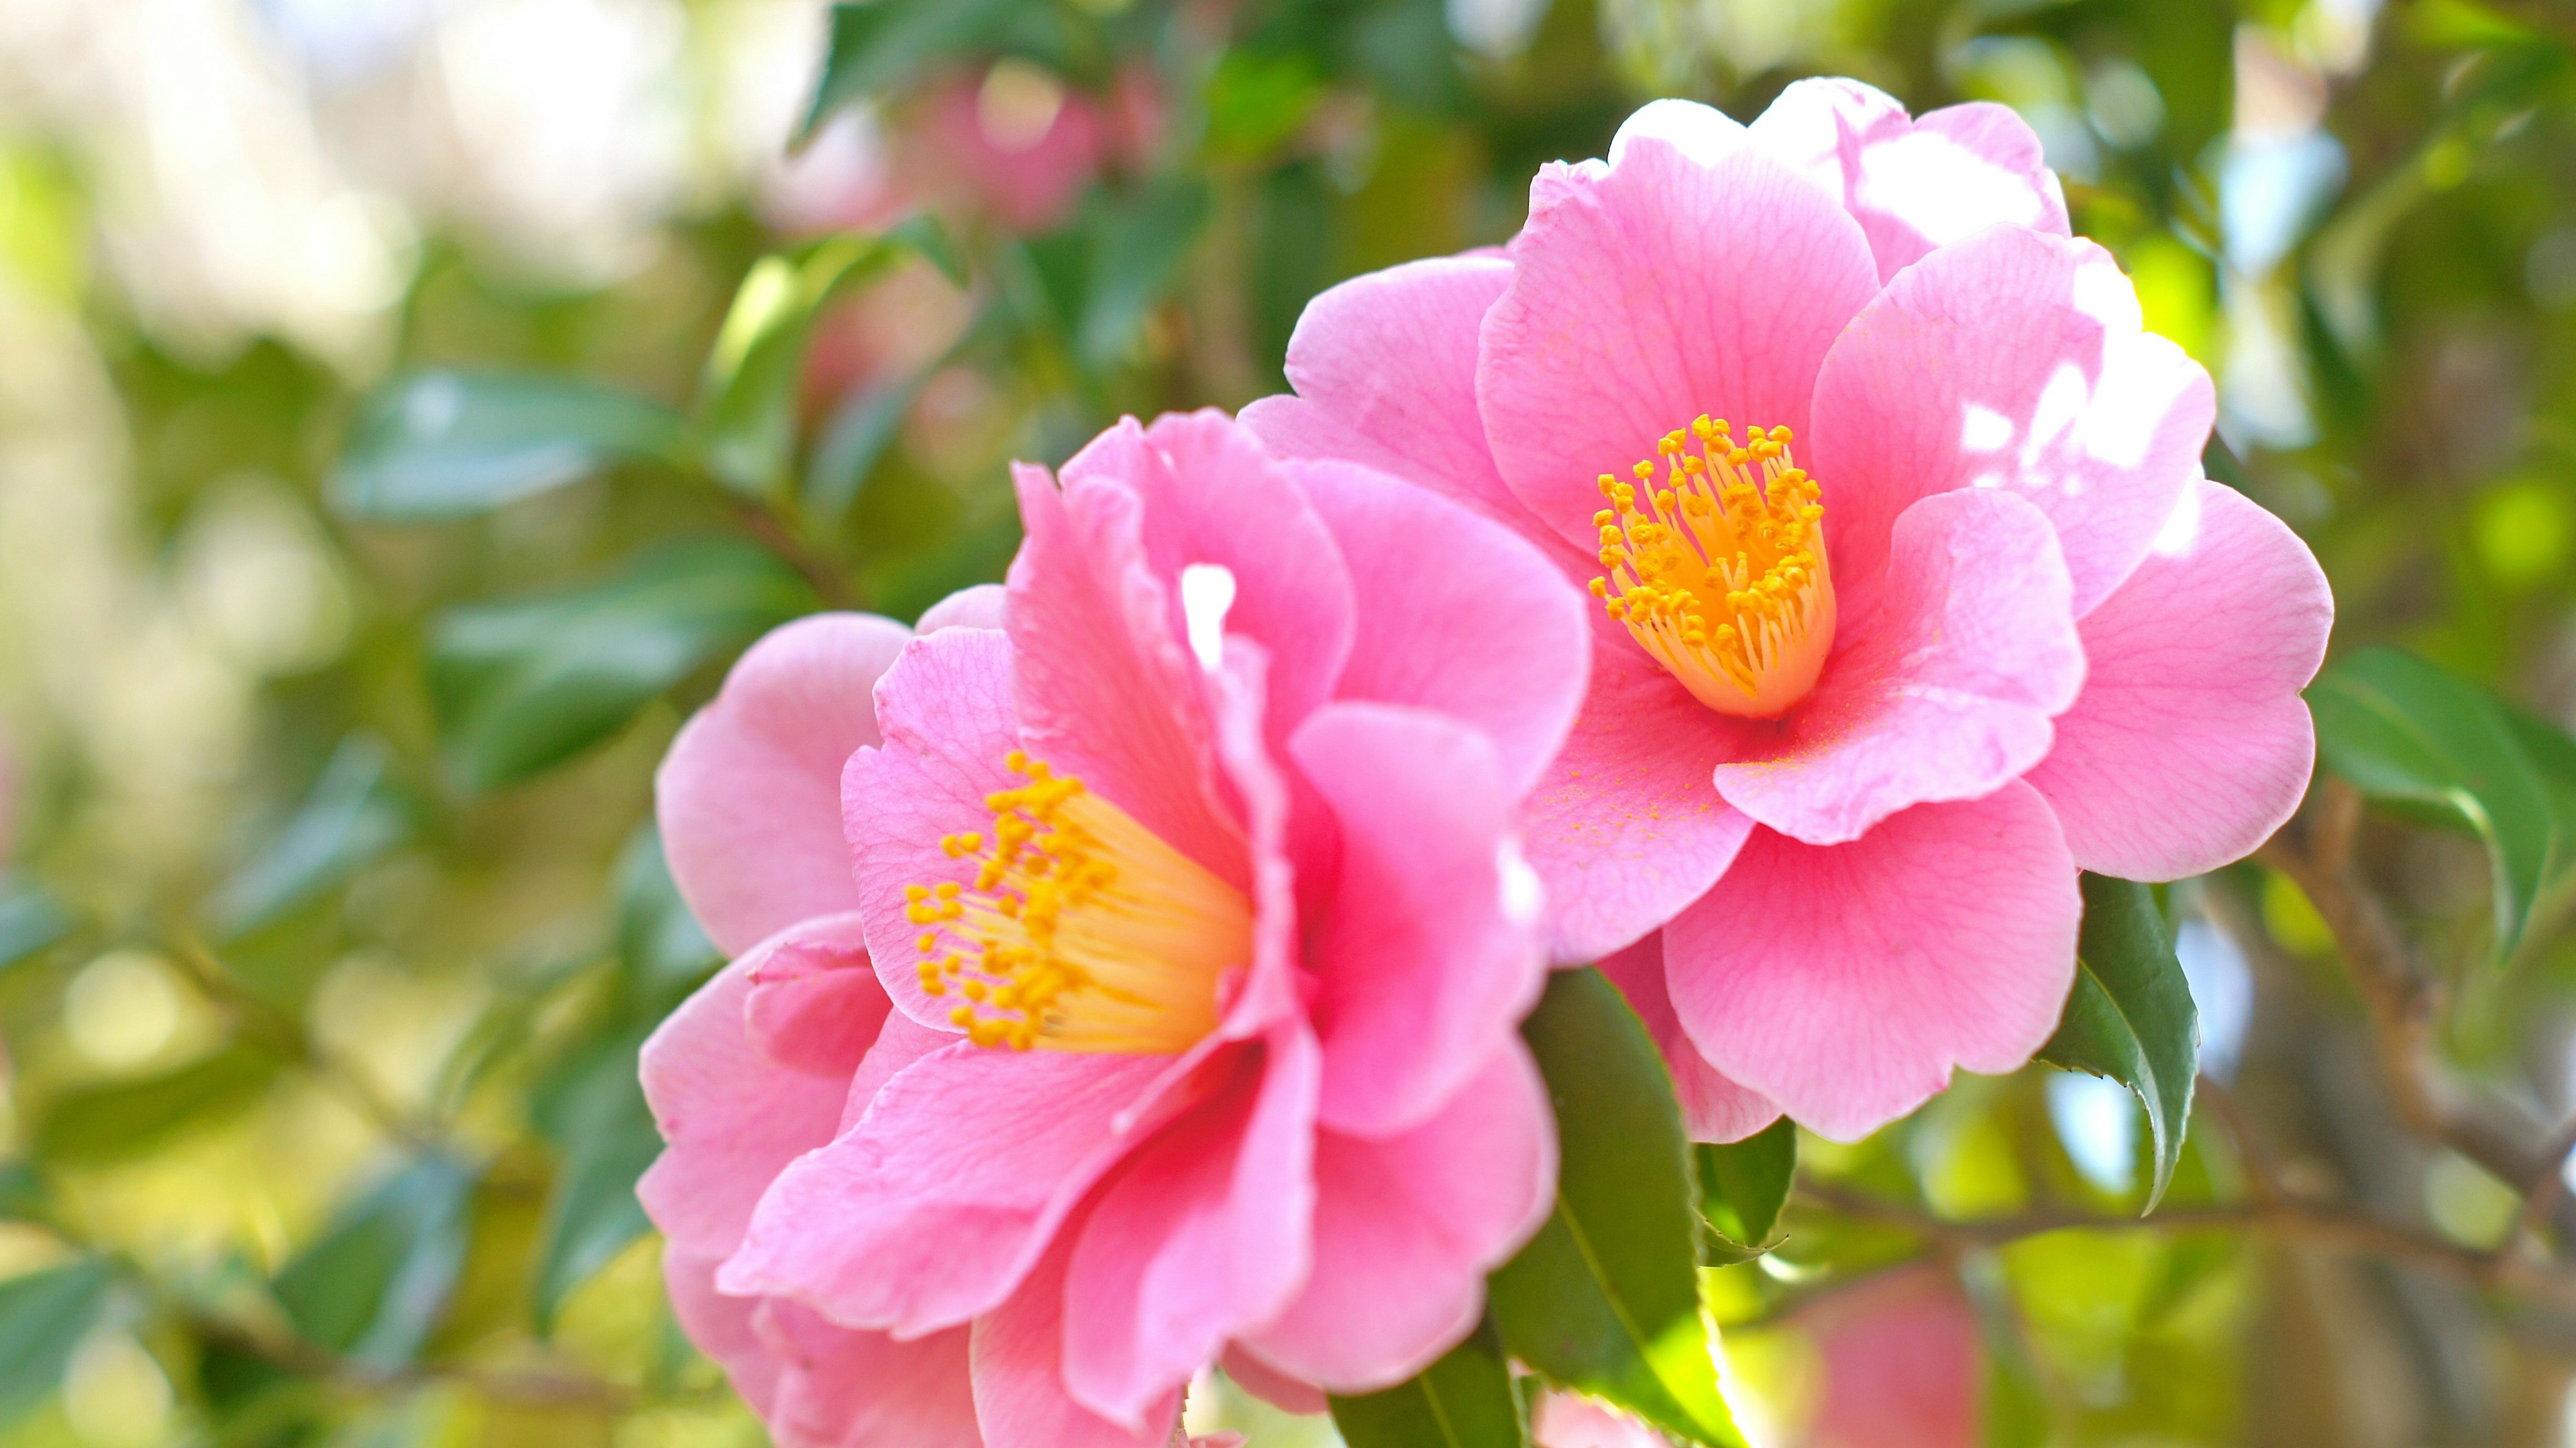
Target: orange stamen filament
1720, 571
1082, 931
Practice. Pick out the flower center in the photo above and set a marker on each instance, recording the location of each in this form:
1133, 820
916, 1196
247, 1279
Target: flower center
1083, 931
1720, 572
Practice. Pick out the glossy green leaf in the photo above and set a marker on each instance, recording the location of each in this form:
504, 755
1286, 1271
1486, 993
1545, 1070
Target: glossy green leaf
748, 397
351, 816
2130, 1016
1744, 1184
523, 686
111, 1122
43, 1317
451, 444
1465, 1400
879, 44
375, 1282
1606, 1298
30, 919
595, 1114
2428, 742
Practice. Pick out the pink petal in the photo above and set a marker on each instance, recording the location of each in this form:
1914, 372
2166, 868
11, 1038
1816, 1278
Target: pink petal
1570, 1420
844, 1389
2011, 360
1648, 292
2190, 744
720, 1326
1489, 631
1947, 694
1702, 133
946, 710
748, 794
1845, 981
1203, 1235
1214, 493
1625, 829
1104, 687
815, 1004
980, 605
1270, 1385
1020, 1396
734, 1116
1407, 1226
935, 1205
1901, 1364
1713, 1107
1272, 989
1384, 367
902, 1042
1423, 964
1913, 184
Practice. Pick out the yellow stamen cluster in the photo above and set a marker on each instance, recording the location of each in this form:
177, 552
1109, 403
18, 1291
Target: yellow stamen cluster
1082, 930
1719, 570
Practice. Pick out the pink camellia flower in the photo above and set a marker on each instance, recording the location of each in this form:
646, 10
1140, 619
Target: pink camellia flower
1901, 1365
1195, 892
1941, 610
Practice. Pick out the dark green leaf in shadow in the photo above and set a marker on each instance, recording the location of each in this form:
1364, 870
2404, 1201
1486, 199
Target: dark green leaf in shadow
522, 686
30, 919
111, 1122
373, 1285
1137, 245
1743, 1185
1605, 1299
451, 444
2443, 750
879, 44
594, 1113
351, 816
43, 1317
2130, 1016
1465, 1400
853, 442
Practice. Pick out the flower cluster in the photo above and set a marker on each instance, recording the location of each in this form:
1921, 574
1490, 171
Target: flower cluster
1773, 577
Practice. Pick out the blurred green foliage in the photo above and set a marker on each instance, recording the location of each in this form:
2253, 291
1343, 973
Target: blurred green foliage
333, 673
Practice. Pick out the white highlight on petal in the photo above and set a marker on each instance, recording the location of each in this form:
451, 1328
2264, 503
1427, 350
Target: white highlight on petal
1524, 895
1703, 133
1207, 595
2105, 295
2181, 528
1943, 189
1984, 430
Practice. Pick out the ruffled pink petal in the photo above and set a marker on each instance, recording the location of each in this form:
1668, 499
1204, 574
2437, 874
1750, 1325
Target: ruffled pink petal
980, 605
1625, 828
1424, 963
1845, 981
2011, 360
1214, 493
1203, 1234
2190, 744
734, 1115
1105, 689
902, 1042
1407, 1226
1950, 690
1648, 292
1469, 618
1913, 184
1272, 989
721, 1326
935, 1205
945, 707
843, 1389
748, 795
1384, 367
1713, 1107
1018, 1357
1269, 1384
815, 1004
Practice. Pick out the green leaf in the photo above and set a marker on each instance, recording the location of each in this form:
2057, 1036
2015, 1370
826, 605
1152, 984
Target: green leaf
451, 444
1465, 1400
43, 1317
351, 817
665, 952
2130, 1016
2444, 750
1137, 245
747, 399
1606, 1298
110, 1123
520, 687
596, 1115
30, 919
373, 1285
881, 43
1744, 1184
22, 1192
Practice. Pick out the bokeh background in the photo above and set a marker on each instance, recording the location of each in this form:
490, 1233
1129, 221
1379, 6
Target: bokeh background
409, 407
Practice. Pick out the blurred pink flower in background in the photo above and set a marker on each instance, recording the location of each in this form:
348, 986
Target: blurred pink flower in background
1902, 1366
1851, 732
